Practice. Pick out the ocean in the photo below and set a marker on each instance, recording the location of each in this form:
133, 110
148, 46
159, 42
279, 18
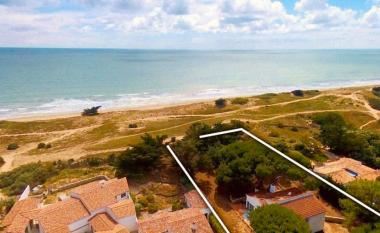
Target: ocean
37, 82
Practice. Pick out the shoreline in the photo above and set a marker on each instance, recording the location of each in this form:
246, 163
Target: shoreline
62, 115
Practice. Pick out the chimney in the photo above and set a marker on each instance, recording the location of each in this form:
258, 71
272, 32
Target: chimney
194, 227
102, 183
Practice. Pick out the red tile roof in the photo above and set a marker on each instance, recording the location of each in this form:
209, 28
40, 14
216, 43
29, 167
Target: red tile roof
123, 208
180, 221
306, 207
194, 200
101, 194
102, 222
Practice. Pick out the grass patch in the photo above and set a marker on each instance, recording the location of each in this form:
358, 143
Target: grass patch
14, 127
273, 98
240, 101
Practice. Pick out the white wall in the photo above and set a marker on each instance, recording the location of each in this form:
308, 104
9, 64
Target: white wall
130, 222
317, 222
80, 226
252, 202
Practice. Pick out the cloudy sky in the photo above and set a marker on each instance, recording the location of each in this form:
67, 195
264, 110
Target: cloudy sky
190, 24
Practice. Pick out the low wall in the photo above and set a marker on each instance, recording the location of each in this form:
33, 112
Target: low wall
334, 219
77, 183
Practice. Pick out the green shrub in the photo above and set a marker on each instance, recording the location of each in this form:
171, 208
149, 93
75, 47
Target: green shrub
152, 208
374, 103
41, 145
263, 221
240, 101
294, 129
138, 208
48, 146
215, 225
132, 126
12, 146
6, 205
298, 93
220, 103
1, 161
376, 91
91, 111
274, 134
177, 205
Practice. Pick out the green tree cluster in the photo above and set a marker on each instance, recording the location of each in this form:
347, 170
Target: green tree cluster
343, 139
142, 156
275, 218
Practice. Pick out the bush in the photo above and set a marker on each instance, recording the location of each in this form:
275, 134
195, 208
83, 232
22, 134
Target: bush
298, 93
274, 134
376, 91
132, 126
12, 146
41, 145
91, 111
220, 103
177, 205
94, 162
152, 208
294, 129
240, 101
215, 225
374, 103
1, 161
47, 146
263, 221
6, 205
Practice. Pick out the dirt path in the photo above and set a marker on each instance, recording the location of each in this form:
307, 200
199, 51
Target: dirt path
231, 218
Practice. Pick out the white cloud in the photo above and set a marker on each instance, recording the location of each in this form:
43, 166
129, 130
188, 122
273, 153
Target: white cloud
117, 22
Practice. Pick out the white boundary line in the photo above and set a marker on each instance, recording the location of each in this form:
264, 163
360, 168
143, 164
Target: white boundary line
198, 189
296, 163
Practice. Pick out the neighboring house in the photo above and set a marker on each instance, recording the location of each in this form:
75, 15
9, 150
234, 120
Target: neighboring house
104, 206
189, 220
194, 200
345, 170
304, 204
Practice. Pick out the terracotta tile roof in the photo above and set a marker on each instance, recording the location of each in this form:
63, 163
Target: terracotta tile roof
194, 200
102, 222
123, 208
20, 206
306, 207
117, 229
101, 194
180, 221
345, 170
56, 217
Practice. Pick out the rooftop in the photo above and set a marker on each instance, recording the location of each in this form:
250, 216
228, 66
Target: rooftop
345, 170
181, 221
194, 200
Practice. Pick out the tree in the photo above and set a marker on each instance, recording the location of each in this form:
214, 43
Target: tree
12, 146
366, 191
220, 103
2, 161
333, 127
376, 91
91, 111
276, 218
298, 93
142, 156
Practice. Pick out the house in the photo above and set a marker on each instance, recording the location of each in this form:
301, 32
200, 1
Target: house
304, 204
104, 206
194, 200
345, 170
188, 220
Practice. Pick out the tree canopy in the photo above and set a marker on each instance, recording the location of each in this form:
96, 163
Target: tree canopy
275, 218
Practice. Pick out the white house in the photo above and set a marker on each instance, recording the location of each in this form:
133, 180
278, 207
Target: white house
304, 204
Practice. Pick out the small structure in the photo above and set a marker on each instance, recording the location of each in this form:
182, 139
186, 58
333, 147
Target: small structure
304, 204
194, 200
345, 170
189, 220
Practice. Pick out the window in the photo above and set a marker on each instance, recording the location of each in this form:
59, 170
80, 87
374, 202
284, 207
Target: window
123, 195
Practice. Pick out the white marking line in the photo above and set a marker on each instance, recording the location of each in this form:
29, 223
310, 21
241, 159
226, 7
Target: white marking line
296, 163
198, 189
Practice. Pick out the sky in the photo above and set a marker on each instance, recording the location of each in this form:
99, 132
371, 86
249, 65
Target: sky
191, 24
